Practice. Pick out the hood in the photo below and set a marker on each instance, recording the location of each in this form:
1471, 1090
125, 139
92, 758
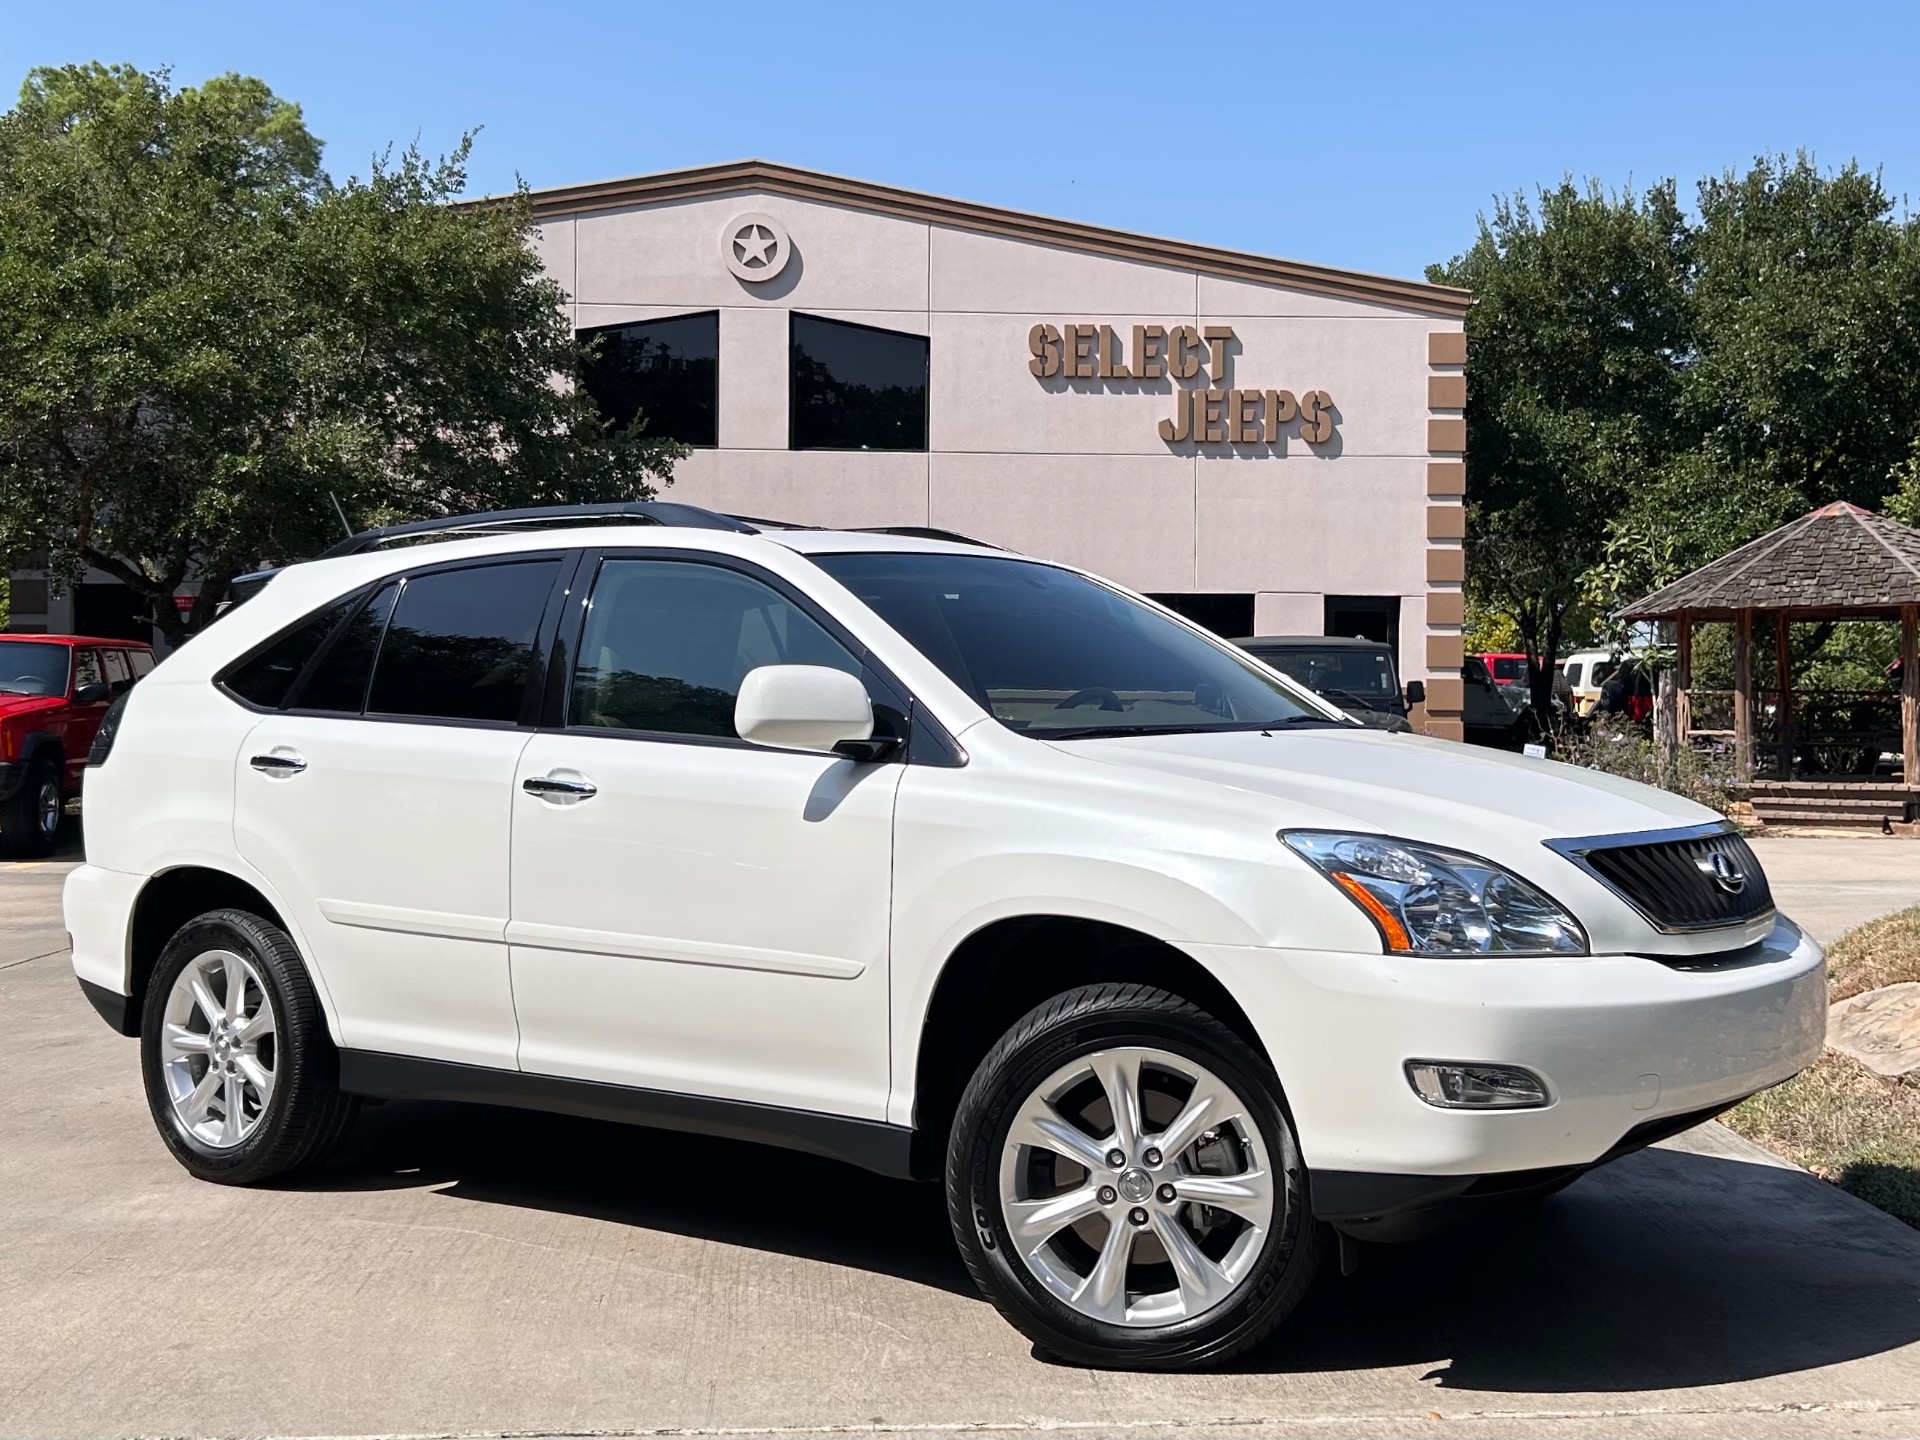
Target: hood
27, 704
1491, 802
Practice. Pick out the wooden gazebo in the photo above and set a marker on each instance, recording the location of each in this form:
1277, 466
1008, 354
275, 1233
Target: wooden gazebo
1836, 563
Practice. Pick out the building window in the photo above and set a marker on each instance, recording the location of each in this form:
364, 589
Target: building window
856, 388
1228, 616
666, 371
1364, 617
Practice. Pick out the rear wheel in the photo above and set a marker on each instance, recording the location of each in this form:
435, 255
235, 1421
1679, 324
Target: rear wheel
1125, 1185
241, 1077
30, 821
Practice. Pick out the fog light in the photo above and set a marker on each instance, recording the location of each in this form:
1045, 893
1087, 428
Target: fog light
1453, 1086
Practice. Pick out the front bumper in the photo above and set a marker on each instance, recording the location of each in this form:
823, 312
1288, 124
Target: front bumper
13, 774
1625, 1043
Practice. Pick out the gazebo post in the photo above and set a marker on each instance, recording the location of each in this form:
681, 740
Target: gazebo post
1683, 676
1910, 696
1743, 693
1783, 673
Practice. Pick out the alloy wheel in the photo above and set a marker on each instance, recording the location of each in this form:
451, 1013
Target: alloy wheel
218, 1050
1136, 1187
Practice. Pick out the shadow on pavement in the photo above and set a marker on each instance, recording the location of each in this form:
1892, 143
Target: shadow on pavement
721, 1190
1664, 1270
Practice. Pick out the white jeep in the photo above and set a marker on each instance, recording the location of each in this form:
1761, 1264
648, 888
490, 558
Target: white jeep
918, 854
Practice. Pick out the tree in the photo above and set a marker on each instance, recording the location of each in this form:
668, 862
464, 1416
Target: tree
1580, 313
208, 349
1802, 382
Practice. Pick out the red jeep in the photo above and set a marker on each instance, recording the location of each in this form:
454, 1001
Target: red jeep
54, 691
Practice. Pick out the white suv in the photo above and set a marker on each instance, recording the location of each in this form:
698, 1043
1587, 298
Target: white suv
942, 861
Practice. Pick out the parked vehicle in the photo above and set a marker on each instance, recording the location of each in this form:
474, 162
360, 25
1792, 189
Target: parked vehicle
942, 861
1586, 672
1356, 675
1491, 714
54, 692
1506, 669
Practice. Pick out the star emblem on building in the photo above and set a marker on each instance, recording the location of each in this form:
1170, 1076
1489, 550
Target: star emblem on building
752, 243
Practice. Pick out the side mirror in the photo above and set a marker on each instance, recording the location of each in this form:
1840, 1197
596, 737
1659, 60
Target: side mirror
94, 692
1416, 692
802, 707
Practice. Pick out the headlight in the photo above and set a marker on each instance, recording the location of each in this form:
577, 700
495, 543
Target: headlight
1427, 901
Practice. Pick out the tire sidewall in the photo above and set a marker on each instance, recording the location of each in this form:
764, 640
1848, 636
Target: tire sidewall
1276, 1279
218, 932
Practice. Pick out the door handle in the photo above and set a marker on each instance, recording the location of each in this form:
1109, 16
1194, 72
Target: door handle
278, 764
553, 787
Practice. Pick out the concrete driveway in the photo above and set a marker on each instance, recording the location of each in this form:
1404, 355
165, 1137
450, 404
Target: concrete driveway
460, 1271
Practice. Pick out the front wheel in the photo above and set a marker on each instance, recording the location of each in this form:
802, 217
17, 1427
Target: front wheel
30, 820
241, 1077
1125, 1185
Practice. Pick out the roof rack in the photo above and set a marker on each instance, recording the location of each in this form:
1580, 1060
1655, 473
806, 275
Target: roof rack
542, 517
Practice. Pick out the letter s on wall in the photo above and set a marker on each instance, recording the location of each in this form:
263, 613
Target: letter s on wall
1044, 342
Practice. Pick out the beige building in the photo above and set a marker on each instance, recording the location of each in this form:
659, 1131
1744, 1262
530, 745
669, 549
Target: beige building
1269, 447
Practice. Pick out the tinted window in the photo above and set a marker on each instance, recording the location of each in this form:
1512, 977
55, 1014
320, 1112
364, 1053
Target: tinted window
86, 669
1342, 675
1573, 674
667, 372
460, 645
27, 668
267, 678
1508, 667
142, 662
1052, 653
118, 676
857, 388
338, 682
667, 644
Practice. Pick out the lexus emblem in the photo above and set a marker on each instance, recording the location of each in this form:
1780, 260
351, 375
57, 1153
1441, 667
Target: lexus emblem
1723, 871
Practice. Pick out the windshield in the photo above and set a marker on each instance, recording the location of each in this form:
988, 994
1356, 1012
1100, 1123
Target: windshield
27, 668
1056, 655
1346, 677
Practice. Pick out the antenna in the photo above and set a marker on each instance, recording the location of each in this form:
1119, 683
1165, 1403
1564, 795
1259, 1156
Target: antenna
341, 513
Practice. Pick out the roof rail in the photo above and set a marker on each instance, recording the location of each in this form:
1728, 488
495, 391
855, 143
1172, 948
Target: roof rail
543, 517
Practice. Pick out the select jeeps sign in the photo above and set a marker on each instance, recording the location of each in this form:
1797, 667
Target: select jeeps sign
1204, 416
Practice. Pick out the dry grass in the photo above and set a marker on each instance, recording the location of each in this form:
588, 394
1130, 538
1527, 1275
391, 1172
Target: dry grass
1881, 952
1837, 1118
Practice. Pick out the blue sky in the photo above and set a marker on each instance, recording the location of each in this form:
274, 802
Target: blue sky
1363, 135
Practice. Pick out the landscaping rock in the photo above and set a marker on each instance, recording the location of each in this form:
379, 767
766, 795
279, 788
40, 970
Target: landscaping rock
1880, 1029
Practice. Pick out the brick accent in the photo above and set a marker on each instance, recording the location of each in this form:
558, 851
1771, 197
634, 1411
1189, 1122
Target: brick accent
1447, 564
1446, 607
1446, 392
1446, 435
1447, 347
1446, 522
1448, 727
1446, 694
1445, 652
1446, 478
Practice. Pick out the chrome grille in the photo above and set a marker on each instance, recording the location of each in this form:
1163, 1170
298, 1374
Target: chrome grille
1683, 880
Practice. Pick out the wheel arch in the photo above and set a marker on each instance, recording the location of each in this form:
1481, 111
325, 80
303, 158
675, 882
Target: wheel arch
1005, 968
45, 745
168, 901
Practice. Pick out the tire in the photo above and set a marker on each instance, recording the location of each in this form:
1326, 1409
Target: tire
247, 1095
1049, 1288
30, 821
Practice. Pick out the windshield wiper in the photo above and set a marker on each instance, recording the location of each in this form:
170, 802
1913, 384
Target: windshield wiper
1094, 732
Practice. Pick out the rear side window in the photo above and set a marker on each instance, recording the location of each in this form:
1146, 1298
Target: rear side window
118, 676
268, 677
142, 662
1573, 674
462, 643
338, 683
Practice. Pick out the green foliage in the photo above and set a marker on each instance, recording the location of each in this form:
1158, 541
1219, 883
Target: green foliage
1580, 316
1617, 747
1648, 390
205, 342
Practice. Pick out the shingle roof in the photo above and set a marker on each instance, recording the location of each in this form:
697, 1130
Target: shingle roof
1838, 557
